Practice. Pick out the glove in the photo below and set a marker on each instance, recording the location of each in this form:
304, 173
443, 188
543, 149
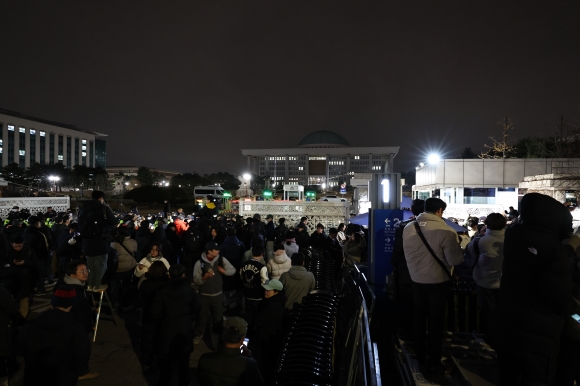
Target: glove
73, 241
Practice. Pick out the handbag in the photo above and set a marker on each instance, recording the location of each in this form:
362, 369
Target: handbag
420, 233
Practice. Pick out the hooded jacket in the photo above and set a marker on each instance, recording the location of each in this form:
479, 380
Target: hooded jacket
279, 264
228, 367
126, 260
297, 282
441, 238
292, 248
176, 308
55, 347
487, 271
535, 289
213, 285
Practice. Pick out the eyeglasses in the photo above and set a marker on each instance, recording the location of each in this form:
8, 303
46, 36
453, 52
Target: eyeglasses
85, 270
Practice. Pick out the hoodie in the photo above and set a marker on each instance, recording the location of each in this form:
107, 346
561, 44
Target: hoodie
279, 264
297, 282
213, 285
55, 346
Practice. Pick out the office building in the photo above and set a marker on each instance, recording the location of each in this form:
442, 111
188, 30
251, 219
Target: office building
26, 140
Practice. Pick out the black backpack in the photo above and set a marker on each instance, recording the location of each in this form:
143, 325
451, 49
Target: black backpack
91, 226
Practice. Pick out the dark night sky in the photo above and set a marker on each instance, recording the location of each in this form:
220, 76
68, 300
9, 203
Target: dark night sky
185, 85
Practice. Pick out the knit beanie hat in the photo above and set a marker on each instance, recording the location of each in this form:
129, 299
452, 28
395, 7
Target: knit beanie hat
64, 297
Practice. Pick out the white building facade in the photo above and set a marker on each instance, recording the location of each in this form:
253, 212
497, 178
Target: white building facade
26, 140
480, 182
322, 157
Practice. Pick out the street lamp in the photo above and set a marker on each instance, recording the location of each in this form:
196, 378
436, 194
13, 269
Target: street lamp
433, 158
247, 177
54, 180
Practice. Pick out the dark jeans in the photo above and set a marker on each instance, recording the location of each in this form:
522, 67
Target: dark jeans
568, 362
487, 301
165, 365
44, 270
405, 298
97, 266
429, 305
120, 283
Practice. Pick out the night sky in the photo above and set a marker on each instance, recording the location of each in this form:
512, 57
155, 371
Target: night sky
185, 85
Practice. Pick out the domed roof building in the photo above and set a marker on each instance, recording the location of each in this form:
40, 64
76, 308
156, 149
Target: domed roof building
321, 157
323, 138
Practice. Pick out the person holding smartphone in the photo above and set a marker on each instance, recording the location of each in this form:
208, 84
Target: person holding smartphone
22, 260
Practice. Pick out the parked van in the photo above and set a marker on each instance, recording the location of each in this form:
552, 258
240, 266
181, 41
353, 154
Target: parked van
202, 191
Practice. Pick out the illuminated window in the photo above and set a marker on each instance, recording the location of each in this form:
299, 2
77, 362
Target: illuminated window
60, 157
42, 134
21, 152
10, 128
356, 157
300, 167
32, 132
22, 130
84, 147
0, 150
84, 154
84, 141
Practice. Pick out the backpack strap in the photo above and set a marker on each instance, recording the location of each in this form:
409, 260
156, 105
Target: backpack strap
420, 233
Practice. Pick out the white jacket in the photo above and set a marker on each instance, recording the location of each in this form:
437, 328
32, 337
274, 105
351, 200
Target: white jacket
442, 239
278, 264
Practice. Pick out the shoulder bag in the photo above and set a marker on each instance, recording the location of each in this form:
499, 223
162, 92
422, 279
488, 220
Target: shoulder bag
420, 233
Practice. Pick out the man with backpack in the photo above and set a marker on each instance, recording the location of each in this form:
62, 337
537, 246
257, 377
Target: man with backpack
96, 223
207, 276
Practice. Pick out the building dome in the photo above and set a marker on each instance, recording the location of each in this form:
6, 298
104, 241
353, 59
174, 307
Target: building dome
323, 138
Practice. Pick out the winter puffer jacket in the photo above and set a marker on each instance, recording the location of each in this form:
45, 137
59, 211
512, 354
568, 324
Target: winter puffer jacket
441, 238
535, 290
279, 264
126, 261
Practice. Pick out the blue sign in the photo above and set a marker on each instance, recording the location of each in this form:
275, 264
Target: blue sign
383, 226
342, 188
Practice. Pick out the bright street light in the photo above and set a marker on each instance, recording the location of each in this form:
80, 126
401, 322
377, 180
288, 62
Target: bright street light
247, 176
433, 158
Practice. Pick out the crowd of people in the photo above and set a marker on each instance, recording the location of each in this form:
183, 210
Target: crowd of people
526, 268
190, 276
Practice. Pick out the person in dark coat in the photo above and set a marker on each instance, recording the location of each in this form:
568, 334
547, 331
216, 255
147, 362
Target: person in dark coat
268, 335
54, 345
176, 308
69, 246
15, 229
302, 237
233, 250
318, 238
157, 279
232, 364
76, 276
96, 238
403, 280
166, 208
8, 310
22, 262
535, 292
144, 237
39, 243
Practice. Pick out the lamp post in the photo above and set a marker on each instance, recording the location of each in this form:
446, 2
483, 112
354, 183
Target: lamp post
247, 177
54, 180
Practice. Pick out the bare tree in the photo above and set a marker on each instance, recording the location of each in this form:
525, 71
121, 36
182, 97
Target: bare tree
504, 147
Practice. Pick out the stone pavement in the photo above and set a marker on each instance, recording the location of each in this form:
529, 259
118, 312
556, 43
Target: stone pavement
115, 352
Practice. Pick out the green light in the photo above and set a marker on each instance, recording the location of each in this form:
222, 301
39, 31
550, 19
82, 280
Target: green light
310, 194
267, 193
226, 194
